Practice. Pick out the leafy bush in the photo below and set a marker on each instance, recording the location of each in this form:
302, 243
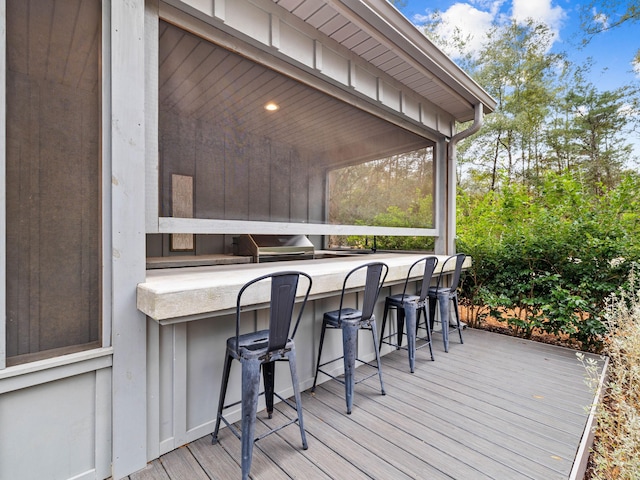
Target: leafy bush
547, 259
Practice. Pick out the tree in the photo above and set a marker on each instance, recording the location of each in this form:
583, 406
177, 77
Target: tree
598, 126
588, 130
516, 68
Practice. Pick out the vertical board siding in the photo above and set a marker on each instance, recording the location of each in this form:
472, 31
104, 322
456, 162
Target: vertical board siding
237, 175
30, 424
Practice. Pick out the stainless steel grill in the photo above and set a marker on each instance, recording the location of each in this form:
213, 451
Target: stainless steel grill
272, 248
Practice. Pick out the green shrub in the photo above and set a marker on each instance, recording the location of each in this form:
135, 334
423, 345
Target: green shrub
547, 259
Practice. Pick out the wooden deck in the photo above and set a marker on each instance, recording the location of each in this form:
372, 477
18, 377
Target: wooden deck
496, 407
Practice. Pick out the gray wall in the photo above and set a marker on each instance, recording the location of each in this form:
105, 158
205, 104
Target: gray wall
236, 176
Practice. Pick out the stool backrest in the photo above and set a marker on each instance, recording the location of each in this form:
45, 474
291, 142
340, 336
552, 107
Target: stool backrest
429, 266
455, 279
284, 286
376, 275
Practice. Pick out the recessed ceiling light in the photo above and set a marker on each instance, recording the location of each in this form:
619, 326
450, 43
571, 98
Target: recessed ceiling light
271, 106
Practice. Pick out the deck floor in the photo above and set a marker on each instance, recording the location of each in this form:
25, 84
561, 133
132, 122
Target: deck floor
496, 407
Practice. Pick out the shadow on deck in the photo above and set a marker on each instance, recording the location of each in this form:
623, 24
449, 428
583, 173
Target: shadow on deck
496, 407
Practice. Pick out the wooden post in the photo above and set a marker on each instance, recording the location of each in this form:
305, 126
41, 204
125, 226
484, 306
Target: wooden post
127, 85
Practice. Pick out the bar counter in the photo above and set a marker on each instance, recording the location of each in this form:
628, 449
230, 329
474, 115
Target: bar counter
175, 295
191, 313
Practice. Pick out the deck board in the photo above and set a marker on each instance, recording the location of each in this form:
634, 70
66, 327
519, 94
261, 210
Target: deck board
496, 407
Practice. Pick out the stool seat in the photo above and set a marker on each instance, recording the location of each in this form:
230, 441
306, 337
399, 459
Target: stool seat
254, 344
400, 298
345, 315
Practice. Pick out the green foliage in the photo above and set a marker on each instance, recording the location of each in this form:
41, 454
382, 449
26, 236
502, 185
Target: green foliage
547, 258
389, 191
415, 215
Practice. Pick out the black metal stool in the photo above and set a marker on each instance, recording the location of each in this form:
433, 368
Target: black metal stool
408, 310
444, 295
350, 321
258, 351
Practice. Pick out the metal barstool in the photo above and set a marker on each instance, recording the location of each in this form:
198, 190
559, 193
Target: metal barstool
350, 321
258, 351
408, 310
445, 295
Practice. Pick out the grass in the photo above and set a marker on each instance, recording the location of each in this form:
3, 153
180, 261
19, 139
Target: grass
616, 450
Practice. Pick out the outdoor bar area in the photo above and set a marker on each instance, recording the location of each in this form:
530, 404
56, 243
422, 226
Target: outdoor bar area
246, 189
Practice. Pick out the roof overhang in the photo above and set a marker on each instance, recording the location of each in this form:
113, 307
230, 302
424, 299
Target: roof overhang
376, 31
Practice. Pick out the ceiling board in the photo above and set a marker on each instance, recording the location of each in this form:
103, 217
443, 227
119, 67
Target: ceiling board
203, 81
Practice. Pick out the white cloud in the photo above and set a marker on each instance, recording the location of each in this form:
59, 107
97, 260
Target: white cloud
474, 18
472, 23
540, 11
600, 18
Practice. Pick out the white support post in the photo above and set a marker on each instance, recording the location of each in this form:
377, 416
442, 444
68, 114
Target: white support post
452, 186
440, 198
3, 177
127, 85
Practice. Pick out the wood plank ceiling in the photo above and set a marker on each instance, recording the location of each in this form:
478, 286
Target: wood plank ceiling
203, 81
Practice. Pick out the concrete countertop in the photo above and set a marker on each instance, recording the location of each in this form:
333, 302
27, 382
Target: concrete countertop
183, 294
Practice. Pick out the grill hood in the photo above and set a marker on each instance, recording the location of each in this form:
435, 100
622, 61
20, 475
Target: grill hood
270, 248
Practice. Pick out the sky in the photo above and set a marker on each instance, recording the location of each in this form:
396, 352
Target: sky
612, 52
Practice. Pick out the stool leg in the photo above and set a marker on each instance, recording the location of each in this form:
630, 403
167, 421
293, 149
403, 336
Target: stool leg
315, 379
296, 393
443, 300
223, 393
268, 376
428, 322
374, 333
457, 314
349, 345
432, 311
400, 320
250, 392
384, 322
409, 313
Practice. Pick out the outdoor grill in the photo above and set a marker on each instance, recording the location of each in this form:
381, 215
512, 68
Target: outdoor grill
272, 248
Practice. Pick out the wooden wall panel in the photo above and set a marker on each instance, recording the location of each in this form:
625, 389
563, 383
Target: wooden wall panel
182, 207
177, 152
53, 218
299, 188
69, 218
280, 196
209, 179
50, 431
236, 176
18, 295
260, 179
237, 152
